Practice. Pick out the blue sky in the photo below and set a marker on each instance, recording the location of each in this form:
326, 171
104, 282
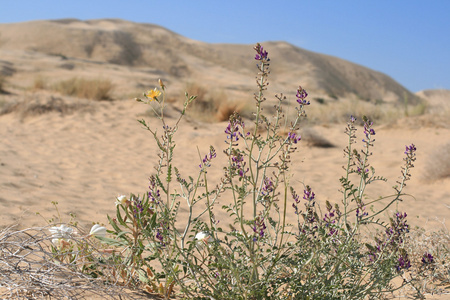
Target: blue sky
408, 40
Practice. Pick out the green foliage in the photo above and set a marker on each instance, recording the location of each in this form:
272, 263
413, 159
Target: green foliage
255, 254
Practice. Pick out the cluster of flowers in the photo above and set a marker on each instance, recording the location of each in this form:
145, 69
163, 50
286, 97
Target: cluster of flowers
61, 235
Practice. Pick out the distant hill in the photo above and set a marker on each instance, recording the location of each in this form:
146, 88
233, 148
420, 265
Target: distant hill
438, 100
226, 66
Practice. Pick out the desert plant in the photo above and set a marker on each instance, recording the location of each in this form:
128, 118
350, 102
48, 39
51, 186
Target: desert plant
2, 83
430, 260
256, 254
39, 83
210, 106
96, 89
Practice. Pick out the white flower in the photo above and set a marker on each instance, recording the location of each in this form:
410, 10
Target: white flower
61, 232
98, 230
204, 237
121, 200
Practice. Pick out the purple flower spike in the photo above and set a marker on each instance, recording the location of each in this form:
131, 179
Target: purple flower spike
268, 187
410, 149
427, 258
301, 96
258, 228
403, 262
308, 194
208, 157
294, 137
261, 54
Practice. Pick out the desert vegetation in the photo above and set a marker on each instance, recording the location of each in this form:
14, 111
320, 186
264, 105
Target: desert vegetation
350, 249
96, 89
2, 83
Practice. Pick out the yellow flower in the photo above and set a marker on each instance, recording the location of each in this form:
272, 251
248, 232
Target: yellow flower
153, 94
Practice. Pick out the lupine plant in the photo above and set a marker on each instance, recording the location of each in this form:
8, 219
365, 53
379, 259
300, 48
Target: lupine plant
256, 254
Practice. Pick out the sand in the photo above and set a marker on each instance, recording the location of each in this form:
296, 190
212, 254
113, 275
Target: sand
84, 159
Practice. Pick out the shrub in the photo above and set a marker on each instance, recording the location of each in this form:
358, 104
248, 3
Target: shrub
210, 106
256, 254
96, 89
328, 253
39, 83
2, 83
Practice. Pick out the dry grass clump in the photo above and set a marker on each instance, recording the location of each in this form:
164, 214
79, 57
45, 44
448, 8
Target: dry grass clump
438, 164
30, 269
38, 105
432, 277
211, 106
96, 89
39, 83
314, 139
2, 83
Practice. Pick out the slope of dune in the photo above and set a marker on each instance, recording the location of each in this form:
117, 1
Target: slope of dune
148, 46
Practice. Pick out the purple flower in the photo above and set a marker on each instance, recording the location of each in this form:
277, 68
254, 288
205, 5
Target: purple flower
296, 201
427, 258
403, 261
238, 164
410, 149
153, 194
258, 228
294, 137
137, 205
232, 129
301, 96
308, 194
397, 229
261, 54
368, 130
268, 187
207, 160
360, 210
160, 237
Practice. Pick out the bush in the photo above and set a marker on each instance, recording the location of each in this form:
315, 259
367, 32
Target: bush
210, 107
39, 83
2, 83
97, 89
256, 254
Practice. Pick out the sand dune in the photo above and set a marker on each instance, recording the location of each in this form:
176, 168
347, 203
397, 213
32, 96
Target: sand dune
150, 48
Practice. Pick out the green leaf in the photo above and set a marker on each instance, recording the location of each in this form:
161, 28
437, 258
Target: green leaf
112, 242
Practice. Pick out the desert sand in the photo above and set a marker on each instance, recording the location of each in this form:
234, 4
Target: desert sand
83, 160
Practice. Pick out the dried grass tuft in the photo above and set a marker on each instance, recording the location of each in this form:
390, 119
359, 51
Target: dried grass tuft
95, 89
314, 139
431, 278
2, 84
39, 104
30, 270
39, 83
211, 107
